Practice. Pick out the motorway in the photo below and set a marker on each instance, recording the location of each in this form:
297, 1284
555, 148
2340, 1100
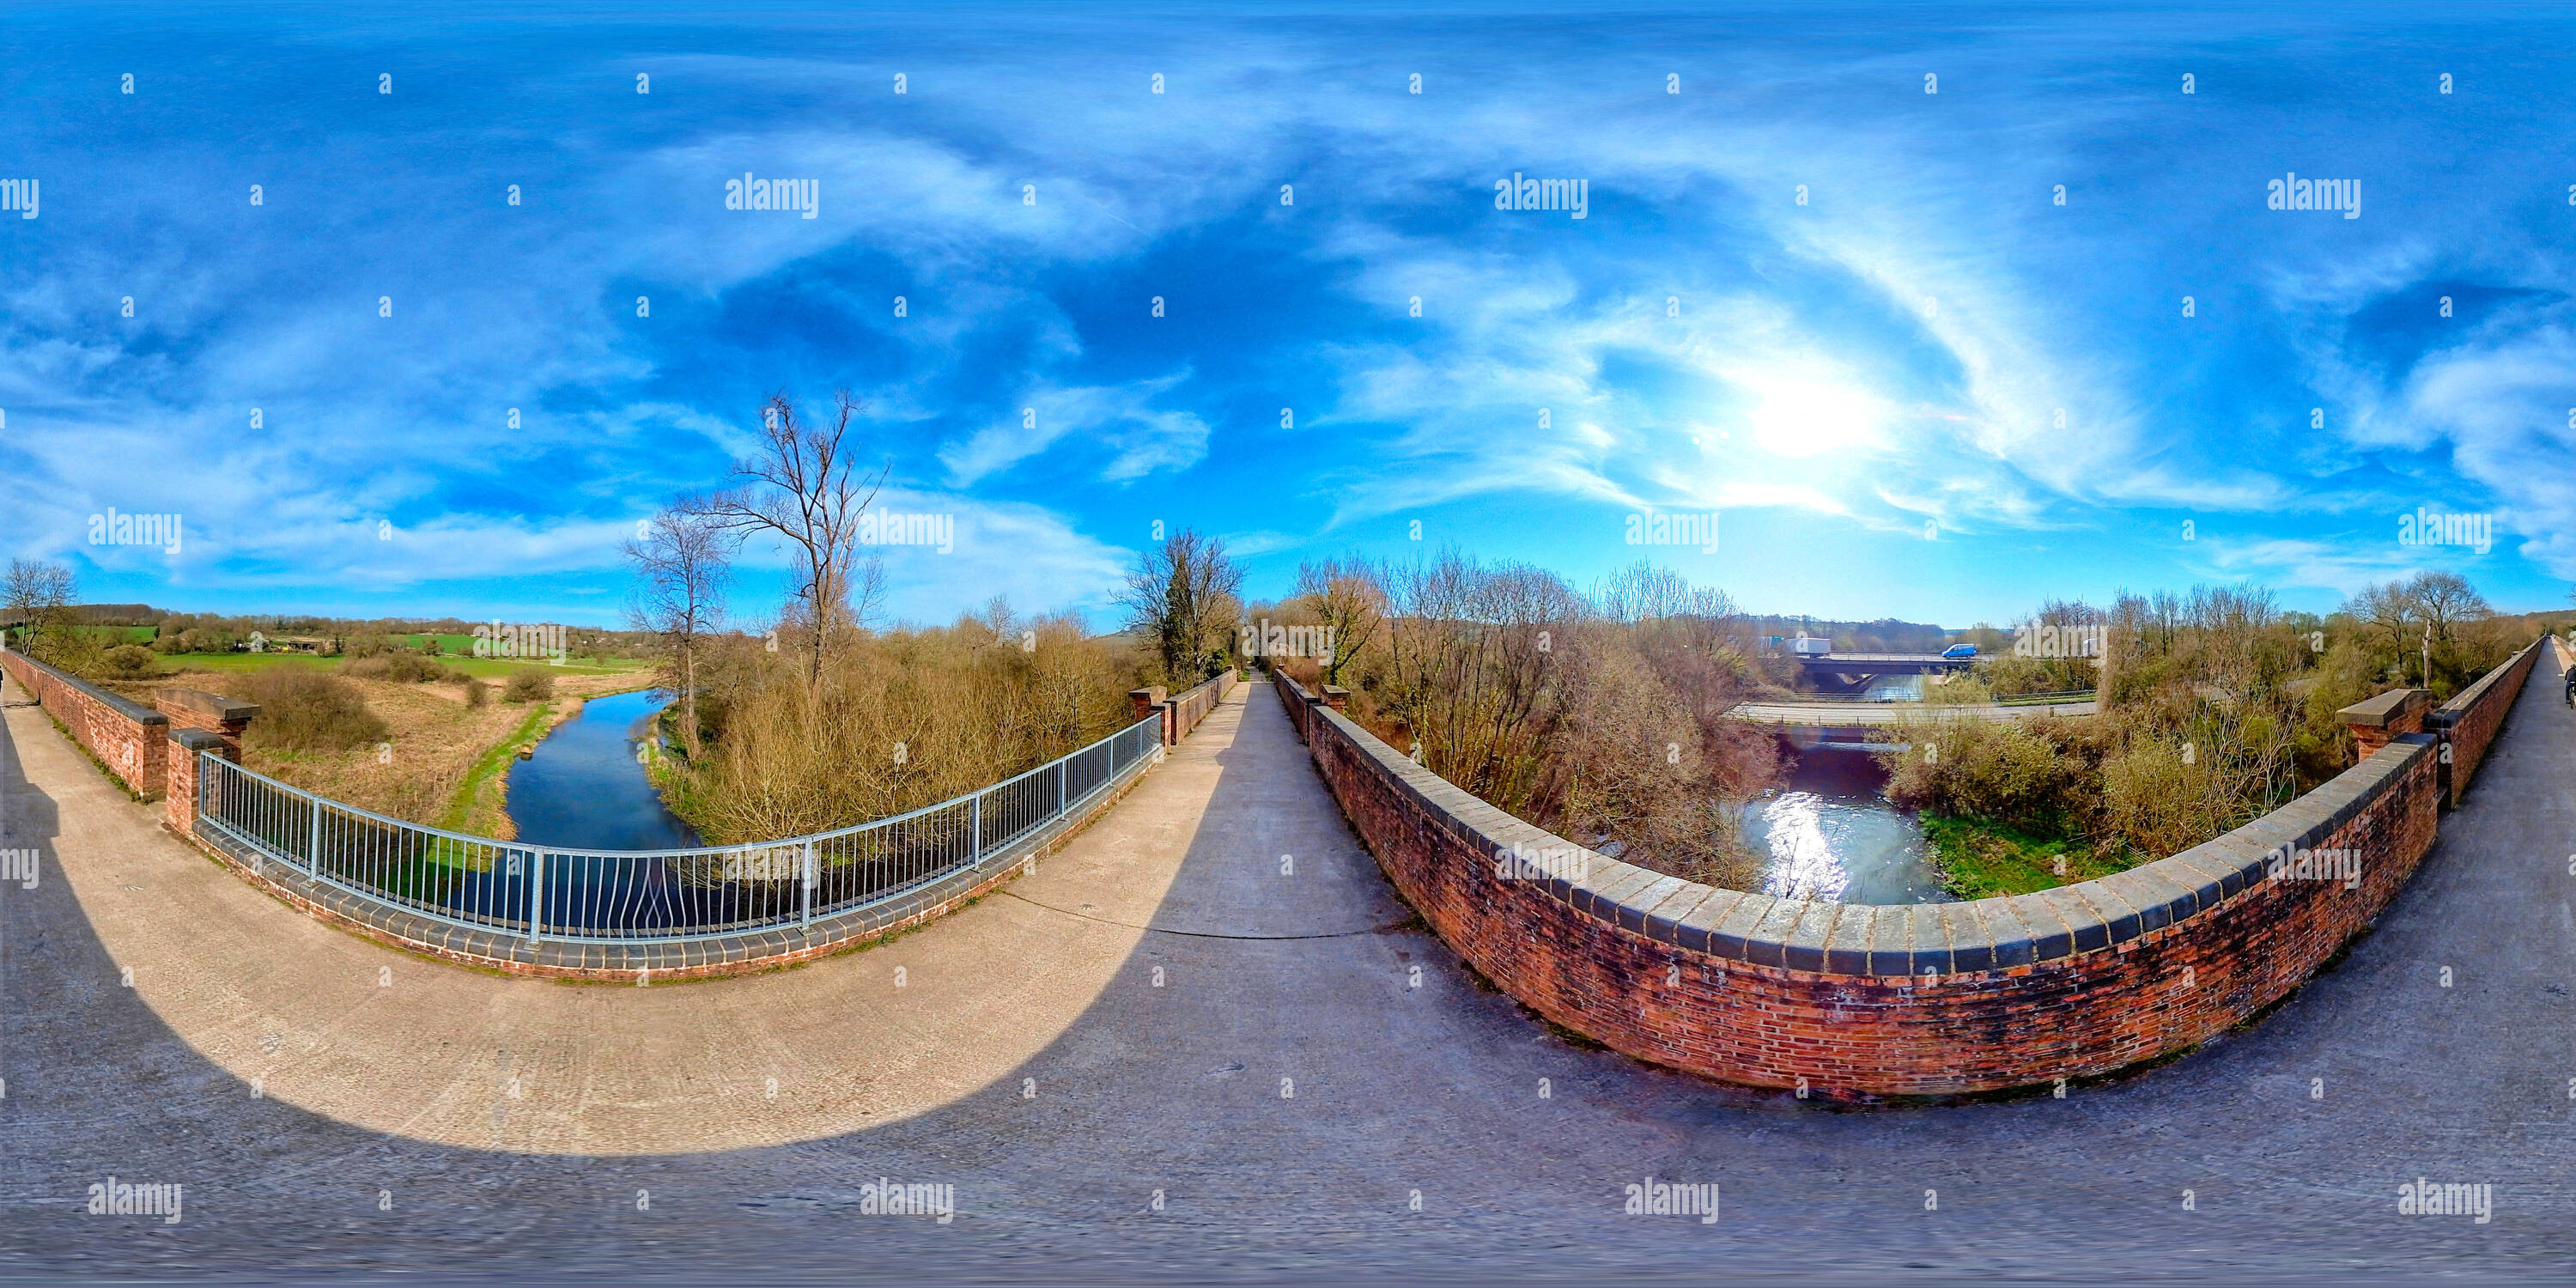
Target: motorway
1175, 1052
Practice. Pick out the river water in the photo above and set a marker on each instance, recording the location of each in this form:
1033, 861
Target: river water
584, 789
1833, 836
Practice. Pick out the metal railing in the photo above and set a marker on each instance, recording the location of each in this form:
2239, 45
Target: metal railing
634, 896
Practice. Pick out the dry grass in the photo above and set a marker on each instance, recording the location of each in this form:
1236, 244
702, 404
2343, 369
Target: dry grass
435, 739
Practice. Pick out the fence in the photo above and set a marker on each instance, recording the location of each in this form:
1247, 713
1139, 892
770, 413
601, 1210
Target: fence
649, 896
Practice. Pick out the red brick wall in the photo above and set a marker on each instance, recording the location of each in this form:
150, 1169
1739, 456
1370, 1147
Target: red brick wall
1184, 712
131, 741
1604, 954
2473, 716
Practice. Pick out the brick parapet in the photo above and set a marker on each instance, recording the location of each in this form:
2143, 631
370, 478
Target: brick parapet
2469, 722
127, 737
1859, 1001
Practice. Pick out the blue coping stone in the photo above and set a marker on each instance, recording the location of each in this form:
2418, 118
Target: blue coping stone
1697, 927
1931, 945
2117, 913
1804, 948
1634, 904
1732, 936
1891, 940
2049, 937
1972, 947
2084, 923
1767, 943
1847, 944
2015, 942
1664, 921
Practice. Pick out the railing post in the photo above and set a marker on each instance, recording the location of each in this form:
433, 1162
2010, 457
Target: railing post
1061, 803
809, 885
979, 830
313, 846
536, 895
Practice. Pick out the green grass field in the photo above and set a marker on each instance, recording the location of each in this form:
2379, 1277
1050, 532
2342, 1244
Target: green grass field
481, 668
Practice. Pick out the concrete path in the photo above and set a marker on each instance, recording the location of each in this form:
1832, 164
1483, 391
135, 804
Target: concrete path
1171, 1052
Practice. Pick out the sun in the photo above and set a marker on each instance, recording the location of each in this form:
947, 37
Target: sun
1798, 419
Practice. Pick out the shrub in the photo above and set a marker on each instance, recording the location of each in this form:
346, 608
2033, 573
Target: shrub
477, 693
2156, 800
307, 711
400, 667
130, 662
529, 684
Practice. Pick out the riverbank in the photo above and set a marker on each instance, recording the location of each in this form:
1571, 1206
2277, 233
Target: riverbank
591, 783
1978, 858
431, 767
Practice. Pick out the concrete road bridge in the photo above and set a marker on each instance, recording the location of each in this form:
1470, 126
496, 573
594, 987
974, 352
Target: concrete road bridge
1206, 1039
1880, 726
1854, 672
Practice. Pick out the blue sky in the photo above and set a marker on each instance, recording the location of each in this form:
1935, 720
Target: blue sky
1829, 377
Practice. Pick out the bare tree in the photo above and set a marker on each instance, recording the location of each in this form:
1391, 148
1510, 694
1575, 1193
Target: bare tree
37, 599
681, 561
2446, 599
2389, 621
1181, 595
1349, 601
805, 486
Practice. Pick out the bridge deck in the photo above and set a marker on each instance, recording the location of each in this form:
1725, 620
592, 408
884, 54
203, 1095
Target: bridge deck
1183, 1089
1895, 715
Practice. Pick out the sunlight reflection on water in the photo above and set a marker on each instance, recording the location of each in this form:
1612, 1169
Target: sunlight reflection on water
1834, 838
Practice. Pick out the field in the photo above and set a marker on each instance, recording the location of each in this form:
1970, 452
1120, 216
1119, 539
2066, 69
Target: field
445, 763
481, 668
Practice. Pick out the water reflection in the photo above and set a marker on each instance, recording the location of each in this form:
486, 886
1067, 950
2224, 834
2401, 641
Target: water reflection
1833, 836
585, 788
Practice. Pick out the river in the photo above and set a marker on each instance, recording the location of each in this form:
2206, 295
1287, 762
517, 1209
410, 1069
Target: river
584, 789
1833, 836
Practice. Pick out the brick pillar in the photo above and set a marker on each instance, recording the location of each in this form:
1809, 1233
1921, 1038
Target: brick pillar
1336, 697
220, 716
179, 805
2376, 722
